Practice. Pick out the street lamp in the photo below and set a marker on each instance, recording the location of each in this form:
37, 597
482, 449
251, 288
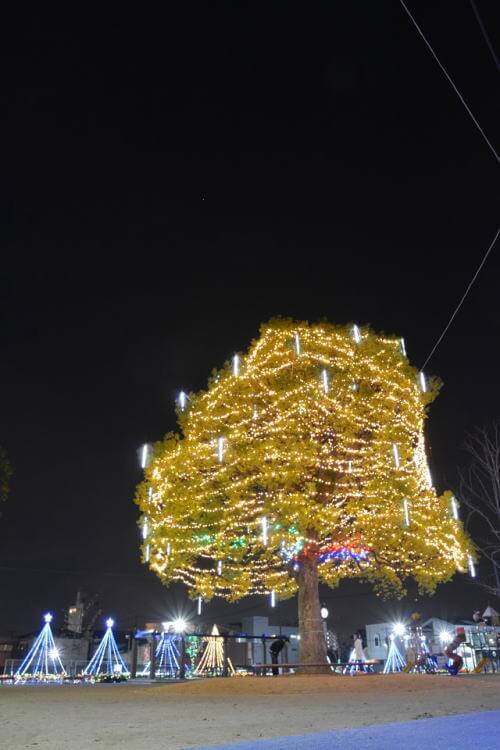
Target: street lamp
324, 615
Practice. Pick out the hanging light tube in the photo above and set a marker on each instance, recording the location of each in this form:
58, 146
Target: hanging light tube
395, 452
264, 531
325, 381
220, 449
407, 511
472, 567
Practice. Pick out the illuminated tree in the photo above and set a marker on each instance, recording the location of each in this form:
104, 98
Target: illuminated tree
303, 461
107, 659
212, 660
42, 662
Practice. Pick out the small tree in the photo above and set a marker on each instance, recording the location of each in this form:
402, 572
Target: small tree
303, 461
480, 493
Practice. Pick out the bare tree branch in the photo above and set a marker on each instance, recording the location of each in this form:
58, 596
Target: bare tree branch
479, 492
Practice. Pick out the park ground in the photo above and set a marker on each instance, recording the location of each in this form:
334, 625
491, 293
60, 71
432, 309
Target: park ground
171, 716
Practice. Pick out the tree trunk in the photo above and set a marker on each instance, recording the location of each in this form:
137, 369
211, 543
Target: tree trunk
312, 637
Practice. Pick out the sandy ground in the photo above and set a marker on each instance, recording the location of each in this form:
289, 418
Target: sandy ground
136, 716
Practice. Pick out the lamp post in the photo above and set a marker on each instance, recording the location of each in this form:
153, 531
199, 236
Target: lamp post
324, 616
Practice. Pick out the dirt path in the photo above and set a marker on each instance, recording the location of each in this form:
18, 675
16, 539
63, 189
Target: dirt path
137, 716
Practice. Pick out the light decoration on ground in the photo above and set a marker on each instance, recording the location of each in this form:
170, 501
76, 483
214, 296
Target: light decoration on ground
212, 659
166, 655
107, 659
42, 662
395, 661
318, 466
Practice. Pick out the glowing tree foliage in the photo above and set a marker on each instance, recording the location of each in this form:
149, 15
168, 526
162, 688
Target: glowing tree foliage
304, 460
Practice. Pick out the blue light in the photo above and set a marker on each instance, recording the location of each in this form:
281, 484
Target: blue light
166, 656
42, 660
394, 661
107, 659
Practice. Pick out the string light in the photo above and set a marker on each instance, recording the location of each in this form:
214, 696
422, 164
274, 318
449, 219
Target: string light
107, 659
167, 656
212, 660
305, 476
42, 662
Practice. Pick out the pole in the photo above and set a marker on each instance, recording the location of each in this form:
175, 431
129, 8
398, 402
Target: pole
182, 668
224, 656
152, 658
133, 661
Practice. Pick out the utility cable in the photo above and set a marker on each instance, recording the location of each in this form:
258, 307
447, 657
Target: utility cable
492, 148
485, 35
463, 298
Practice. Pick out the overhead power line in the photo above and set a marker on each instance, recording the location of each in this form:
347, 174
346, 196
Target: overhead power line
468, 109
463, 298
485, 35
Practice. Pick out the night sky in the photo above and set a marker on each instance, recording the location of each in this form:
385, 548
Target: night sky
168, 183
